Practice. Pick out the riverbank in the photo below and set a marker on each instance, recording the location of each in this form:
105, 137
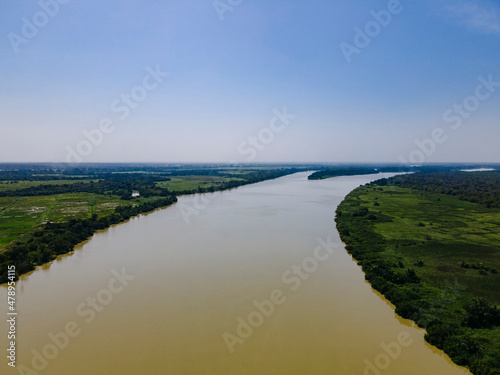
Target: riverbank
53, 239
49, 217
436, 258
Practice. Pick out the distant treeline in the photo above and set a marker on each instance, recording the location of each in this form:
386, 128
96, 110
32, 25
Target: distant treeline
475, 187
362, 170
49, 172
243, 179
352, 171
113, 185
337, 172
53, 239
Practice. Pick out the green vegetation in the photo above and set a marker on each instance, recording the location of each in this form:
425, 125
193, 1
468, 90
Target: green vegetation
475, 187
21, 215
180, 184
337, 172
18, 185
348, 170
45, 210
111, 184
359, 170
53, 239
192, 181
150, 181
435, 256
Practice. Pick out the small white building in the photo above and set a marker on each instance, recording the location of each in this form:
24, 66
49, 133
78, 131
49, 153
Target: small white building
135, 193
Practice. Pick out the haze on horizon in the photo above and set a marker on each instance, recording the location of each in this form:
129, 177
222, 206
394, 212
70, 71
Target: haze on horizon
250, 81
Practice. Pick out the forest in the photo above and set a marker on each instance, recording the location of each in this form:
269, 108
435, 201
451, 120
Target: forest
475, 187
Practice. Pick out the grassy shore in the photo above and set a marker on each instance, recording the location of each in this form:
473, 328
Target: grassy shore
437, 258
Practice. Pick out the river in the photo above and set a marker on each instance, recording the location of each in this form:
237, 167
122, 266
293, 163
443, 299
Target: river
248, 281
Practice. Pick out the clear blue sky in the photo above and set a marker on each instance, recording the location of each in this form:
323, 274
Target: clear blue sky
231, 68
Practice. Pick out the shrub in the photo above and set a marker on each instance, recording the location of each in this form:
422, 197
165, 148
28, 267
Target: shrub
438, 333
480, 314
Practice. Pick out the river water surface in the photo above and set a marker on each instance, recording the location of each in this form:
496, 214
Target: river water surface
194, 296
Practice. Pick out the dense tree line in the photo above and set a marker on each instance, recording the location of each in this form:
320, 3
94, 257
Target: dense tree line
475, 187
337, 172
53, 239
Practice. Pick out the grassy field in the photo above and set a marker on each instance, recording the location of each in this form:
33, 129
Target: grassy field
442, 232
20, 215
182, 183
433, 256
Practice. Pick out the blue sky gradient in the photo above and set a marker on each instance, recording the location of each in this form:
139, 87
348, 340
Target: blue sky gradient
228, 76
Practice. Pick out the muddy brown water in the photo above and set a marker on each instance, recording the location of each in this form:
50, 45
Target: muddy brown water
248, 281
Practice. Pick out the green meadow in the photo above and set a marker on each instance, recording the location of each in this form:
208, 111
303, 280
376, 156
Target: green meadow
442, 232
186, 183
21, 215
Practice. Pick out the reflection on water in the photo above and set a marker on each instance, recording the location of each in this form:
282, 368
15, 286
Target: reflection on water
251, 285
